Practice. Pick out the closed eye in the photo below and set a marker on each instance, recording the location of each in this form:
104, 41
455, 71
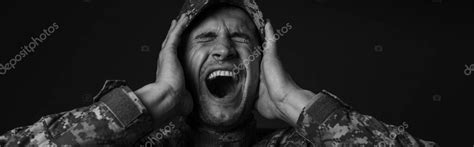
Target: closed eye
205, 37
240, 37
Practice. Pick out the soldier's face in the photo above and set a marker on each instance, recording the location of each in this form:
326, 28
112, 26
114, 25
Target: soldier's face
224, 95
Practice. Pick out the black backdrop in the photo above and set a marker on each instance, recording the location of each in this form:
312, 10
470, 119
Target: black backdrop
399, 61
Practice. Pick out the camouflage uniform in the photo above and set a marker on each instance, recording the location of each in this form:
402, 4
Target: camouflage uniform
118, 118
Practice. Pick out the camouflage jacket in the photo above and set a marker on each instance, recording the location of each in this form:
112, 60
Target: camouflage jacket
118, 118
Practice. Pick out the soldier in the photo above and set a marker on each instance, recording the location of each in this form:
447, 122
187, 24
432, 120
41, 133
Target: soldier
197, 75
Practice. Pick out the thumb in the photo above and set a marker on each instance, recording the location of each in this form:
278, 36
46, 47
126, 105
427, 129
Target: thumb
269, 46
272, 68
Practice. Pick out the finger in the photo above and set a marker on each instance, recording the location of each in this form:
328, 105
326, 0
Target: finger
167, 60
174, 35
173, 23
271, 66
162, 55
270, 41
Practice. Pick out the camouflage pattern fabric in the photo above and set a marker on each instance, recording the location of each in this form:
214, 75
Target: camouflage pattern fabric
330, 122
94, 125
326, 121
193, 7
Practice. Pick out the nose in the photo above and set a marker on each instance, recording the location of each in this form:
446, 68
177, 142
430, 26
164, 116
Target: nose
223, 50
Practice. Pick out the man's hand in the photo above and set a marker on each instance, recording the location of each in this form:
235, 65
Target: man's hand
167, 97
279, 96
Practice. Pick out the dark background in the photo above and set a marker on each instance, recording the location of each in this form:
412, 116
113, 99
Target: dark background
387, 59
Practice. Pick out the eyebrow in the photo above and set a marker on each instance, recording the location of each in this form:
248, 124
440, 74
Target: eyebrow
213, 34
206, 34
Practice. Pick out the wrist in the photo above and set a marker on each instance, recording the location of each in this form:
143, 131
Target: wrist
146, 94
294, 104
162, 102
151, 96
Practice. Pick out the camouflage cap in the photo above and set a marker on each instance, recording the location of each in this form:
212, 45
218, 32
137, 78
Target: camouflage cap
193, 7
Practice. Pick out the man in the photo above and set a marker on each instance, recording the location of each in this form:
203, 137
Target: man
196, 75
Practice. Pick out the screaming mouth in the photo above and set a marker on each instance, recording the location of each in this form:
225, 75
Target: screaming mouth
221, 83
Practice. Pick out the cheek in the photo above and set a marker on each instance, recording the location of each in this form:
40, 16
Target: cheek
193, 62
254, 76
250, 58
254, 72
253, 60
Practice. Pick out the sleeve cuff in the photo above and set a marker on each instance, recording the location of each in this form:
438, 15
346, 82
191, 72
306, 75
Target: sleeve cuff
322, 107
122, 103
317, 112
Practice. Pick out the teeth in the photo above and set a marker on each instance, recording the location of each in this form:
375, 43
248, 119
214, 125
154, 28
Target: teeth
221, 73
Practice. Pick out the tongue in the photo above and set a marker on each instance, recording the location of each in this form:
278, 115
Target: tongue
221, 86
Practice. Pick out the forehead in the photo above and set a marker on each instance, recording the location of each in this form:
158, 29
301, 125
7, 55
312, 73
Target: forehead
232, 18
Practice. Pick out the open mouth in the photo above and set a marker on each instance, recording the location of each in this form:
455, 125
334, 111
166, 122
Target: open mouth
222, 83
